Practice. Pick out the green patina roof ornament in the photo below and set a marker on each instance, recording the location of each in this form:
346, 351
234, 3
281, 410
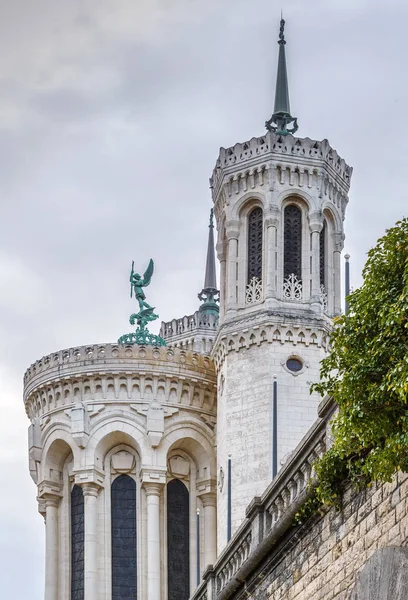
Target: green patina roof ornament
142, 335
209, 295
281, 118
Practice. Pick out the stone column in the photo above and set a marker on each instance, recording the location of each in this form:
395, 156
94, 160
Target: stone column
221, 255
232, 233
316, 225
338, 243
51, 546
91, 544
210, 528
153, 491
271, 222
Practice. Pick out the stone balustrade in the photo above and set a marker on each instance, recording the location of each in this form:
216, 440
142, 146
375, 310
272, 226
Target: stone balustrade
270, 516
192, 332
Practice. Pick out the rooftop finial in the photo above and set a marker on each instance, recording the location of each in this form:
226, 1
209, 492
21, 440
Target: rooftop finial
209, 295
282, 30
281, 118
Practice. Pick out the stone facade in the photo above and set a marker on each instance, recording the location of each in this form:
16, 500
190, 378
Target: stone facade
357, 553
98, 412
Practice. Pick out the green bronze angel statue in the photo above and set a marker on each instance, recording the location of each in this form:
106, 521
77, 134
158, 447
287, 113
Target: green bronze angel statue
146, 312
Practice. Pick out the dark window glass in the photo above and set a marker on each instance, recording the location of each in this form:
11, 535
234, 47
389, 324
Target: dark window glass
77, 543
323, 255
293, 241
255, 231
178, 550
294, 364
123, 510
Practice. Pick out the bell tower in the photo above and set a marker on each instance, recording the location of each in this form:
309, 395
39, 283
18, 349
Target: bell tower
279, 204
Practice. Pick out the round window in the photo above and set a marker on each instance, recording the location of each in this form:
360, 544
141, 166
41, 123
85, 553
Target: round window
294, 364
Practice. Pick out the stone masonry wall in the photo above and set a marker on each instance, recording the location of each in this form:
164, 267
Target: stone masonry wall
322, 560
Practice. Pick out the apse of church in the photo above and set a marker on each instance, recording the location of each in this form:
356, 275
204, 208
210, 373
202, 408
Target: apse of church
147, 452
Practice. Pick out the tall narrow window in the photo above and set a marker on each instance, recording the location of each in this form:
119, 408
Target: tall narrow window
178, 534
323, 254
77, 543
292, 241
255, 231
123, 513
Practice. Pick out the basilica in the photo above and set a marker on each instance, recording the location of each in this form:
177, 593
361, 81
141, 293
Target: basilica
170, 467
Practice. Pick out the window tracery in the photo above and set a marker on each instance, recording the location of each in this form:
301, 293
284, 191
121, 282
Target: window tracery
292, 242
178, 536
123, 525
255, 235
77, 543
323, 255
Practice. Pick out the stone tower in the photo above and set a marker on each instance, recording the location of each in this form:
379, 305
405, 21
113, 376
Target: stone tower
279, 203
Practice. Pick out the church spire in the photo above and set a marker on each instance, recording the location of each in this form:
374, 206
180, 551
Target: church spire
281, 117
209, 294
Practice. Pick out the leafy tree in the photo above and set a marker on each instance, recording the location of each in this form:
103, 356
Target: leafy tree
366, 373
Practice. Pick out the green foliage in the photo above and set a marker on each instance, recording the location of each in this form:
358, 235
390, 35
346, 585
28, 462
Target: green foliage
367, 374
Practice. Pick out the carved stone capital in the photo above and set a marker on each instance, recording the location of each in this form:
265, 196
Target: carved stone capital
153, 489
49, 488
316, 221
232, 230
206, 487
272, 216
91, 476
338, 241
153, 475
49, 498
208, 499
90, 489
221, 251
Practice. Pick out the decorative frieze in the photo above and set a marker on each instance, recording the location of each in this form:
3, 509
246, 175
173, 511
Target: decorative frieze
270, 332
73, 381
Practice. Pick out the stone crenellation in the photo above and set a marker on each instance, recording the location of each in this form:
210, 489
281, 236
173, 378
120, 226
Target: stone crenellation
297, 162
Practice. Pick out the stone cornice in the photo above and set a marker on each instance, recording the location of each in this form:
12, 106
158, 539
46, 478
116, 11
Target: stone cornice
70, 368
268, 151
96, 392
243, 333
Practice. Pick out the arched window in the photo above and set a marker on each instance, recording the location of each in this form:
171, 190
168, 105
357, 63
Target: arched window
292, 241
255, 232
178, 534
123, 519
77, 543
323, 255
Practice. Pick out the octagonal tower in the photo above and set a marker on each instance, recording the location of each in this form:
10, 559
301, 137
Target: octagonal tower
279, 203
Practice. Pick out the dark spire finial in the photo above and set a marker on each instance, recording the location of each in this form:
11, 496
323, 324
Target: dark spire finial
209, 295
281, 118
282, 31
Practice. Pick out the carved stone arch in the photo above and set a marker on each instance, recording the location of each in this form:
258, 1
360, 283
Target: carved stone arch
195, 439
56, 451
384, 576
108, 433
297, 195
331, 212
245, 203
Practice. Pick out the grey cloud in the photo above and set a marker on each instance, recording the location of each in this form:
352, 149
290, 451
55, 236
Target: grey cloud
110, 126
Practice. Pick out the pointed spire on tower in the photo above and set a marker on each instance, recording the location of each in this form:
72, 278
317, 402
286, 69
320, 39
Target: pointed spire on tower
281, 117
210, 294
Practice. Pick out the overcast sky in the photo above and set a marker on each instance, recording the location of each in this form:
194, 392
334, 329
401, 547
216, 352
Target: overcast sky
112, 114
